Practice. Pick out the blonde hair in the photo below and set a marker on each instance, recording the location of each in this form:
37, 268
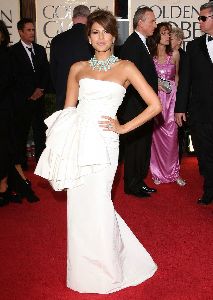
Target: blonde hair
178, 32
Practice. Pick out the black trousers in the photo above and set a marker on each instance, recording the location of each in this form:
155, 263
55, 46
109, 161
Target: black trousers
137, 152
181, 141
202, 139
6, 142
30, 114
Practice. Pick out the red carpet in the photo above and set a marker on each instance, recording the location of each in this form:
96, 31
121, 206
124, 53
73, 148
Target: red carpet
176, 231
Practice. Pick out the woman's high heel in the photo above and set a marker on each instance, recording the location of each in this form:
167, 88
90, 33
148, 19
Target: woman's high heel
180, 181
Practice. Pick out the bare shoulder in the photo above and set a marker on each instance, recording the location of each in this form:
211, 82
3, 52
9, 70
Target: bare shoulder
175, 54
78, 66
128, 72
127, 65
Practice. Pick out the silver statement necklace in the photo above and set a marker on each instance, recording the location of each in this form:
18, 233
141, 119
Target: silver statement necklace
103, 65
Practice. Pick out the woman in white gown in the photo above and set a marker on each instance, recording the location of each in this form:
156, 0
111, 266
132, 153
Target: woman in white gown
81, 156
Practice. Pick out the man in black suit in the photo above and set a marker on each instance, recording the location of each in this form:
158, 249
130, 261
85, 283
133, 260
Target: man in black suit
67, 48
31, 78
195, 96
138, 143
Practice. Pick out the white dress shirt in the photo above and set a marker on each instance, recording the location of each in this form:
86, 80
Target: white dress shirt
28, 51
209, 45
143, 39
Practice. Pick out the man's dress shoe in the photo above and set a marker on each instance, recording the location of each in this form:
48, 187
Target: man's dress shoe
9, 196
147, 189
204, 201
31, 197
28, 182
15, 198
25, 166
28, 193
136, 192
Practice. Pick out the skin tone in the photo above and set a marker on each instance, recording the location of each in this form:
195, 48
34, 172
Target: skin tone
101, 41
206, 27
147, 24
122, 72
27, 35
175, 42
3, 185
162, 55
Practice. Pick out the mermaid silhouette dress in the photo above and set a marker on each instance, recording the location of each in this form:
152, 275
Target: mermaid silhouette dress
164, 162
103, 255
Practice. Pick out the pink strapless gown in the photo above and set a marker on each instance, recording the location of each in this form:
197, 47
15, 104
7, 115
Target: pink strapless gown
164, 163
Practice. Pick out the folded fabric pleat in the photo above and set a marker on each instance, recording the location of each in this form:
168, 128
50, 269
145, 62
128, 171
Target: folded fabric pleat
74, 148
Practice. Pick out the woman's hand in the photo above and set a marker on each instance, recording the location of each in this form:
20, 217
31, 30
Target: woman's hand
160, 88
110, 124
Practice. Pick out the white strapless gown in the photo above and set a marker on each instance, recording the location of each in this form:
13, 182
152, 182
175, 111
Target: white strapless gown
103, 255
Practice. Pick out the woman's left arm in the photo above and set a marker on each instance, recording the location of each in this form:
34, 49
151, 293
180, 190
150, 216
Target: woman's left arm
133, 76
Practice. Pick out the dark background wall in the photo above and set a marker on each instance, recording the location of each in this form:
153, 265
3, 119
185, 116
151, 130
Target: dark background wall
27, 9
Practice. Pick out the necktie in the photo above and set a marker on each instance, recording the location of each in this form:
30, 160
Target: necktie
32, 57
146, 46
210, 38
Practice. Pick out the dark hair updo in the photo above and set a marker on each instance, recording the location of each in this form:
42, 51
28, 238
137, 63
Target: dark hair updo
104, 18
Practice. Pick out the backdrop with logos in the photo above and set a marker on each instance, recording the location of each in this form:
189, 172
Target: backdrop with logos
10, 14
55, 16
179, 13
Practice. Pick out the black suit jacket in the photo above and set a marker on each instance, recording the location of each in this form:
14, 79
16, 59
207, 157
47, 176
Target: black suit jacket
182, 60
5, 79
195, 90
25, 79
134, 50
66, 49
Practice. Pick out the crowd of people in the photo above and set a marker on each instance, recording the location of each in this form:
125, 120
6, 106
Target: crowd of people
142, 95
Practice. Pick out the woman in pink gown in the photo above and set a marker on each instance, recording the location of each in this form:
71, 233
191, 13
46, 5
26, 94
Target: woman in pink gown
164, 163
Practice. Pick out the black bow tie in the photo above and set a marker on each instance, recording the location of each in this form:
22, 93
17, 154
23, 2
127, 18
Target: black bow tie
210, 38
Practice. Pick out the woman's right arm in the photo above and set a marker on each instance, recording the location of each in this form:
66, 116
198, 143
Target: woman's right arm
72, 87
